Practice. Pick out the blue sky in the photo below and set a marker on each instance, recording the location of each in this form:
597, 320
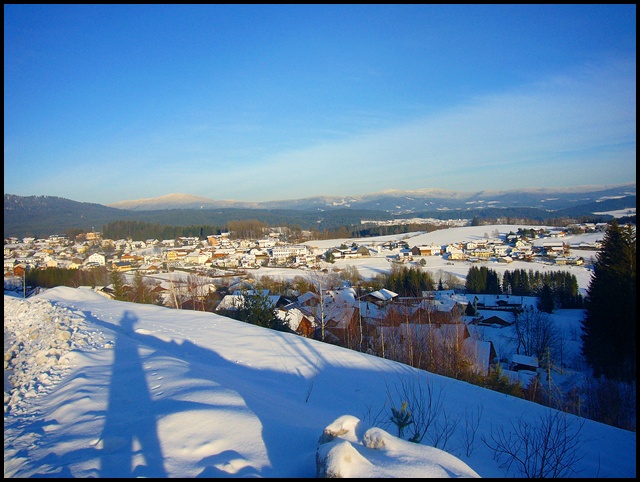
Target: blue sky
258, 102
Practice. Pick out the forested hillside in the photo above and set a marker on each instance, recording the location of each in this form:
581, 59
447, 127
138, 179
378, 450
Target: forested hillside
41, 216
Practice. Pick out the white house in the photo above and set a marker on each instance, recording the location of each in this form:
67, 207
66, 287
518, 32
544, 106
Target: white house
196, 257
455, 252
96, 258
281, 253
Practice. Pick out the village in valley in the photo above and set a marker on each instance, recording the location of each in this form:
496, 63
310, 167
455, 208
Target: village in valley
186, 271
220, 253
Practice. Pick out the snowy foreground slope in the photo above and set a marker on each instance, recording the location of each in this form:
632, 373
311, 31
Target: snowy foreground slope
111, 389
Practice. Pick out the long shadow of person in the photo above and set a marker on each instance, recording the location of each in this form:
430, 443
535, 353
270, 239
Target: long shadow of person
130, 432
132, 414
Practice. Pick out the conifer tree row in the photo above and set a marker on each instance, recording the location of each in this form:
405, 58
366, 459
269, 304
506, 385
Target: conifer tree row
609, 325
561, 285
409, 281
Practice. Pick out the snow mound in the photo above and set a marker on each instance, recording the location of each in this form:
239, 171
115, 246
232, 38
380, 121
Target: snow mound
39, 337
347, 448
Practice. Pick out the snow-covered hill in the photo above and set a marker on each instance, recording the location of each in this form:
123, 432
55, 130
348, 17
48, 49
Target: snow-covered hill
403, 201
106, 389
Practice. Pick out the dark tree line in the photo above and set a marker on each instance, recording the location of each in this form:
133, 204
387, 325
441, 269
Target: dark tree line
394, 229
409, 281
52, 277
483, 280
141, 230
247, 229
561, 286
609, 327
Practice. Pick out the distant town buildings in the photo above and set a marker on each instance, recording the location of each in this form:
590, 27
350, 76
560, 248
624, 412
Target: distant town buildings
91, 250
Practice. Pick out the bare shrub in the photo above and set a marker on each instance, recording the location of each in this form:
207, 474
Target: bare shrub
611, 402
471, 424
547, 447
444, 428
421, 400
377, 418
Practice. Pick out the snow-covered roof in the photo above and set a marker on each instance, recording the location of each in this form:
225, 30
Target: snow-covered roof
304, 297
230, 302
530, 361
294, 316
384, 294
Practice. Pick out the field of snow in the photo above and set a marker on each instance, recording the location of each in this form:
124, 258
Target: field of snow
372, 266
101, 388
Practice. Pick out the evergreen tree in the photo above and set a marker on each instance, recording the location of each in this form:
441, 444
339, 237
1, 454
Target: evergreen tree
472, 309
493, 282
507, 282
609, 325
137, 291
117, 281
401, 418
409, 281
258, 309
141, 291
476, 281
546, 303
483, 280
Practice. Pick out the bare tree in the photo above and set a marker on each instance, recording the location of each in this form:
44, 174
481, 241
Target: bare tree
448, 280
197, 289
424, 341
322, 280
536, 334
351, 274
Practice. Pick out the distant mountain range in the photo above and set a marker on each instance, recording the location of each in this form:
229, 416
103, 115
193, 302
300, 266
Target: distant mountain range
398, 202
42, 216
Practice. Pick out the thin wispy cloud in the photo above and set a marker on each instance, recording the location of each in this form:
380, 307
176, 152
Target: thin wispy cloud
581, 120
